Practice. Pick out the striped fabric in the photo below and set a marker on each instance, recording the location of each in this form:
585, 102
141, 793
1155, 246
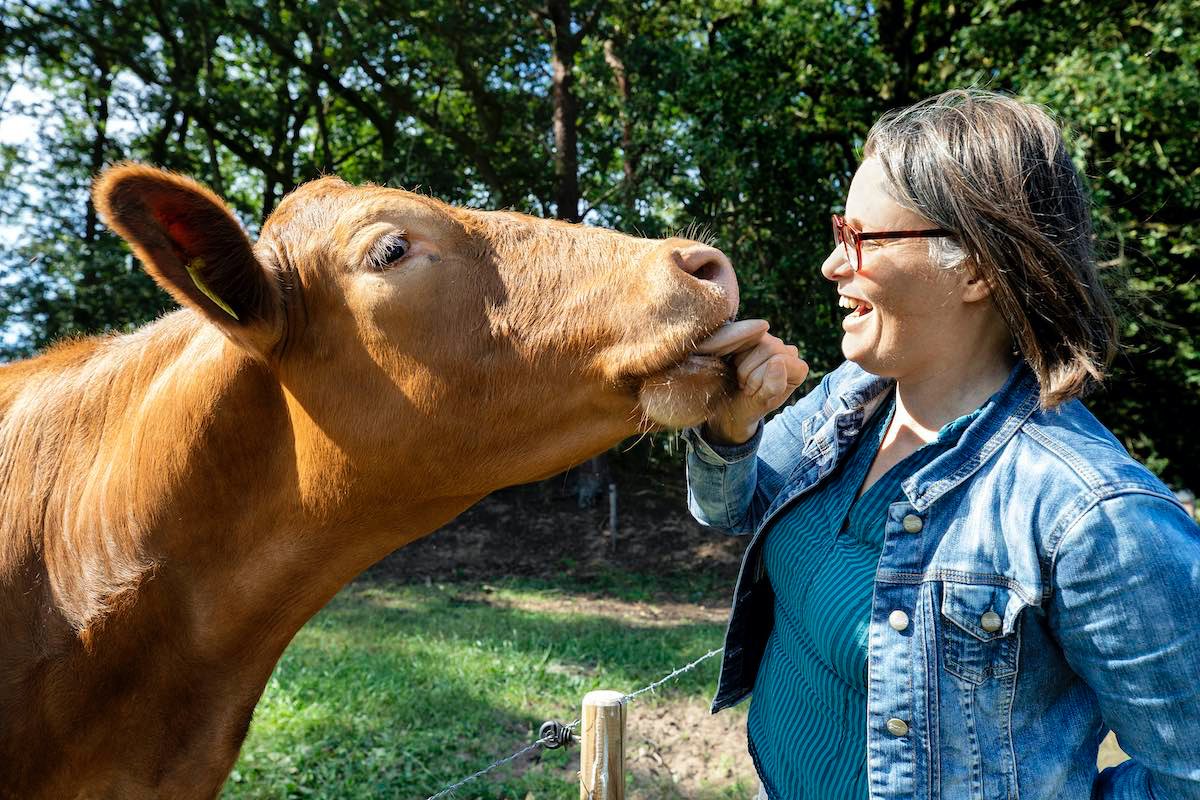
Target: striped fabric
808, 715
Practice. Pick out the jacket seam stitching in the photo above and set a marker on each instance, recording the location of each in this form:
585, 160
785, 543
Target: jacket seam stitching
1060, 533
1079, 467
1012, 696
974, 578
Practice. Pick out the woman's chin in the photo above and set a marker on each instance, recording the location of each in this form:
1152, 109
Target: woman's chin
866, 357
852, 349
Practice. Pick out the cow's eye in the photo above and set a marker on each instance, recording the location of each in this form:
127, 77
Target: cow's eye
397, 249
389, 251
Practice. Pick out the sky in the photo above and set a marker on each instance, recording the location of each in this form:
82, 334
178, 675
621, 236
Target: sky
20, 129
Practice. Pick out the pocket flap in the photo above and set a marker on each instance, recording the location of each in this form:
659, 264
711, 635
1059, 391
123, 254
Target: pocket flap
970, 606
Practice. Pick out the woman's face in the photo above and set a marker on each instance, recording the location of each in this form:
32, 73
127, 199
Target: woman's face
906, 316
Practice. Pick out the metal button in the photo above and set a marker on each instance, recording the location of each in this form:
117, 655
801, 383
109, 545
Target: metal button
912, 523
898, 620
990, 621
897, 727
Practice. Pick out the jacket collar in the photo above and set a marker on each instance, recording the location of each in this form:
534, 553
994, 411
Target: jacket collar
1000, 419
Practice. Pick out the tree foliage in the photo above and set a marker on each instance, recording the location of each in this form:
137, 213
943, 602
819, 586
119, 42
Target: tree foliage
744, 118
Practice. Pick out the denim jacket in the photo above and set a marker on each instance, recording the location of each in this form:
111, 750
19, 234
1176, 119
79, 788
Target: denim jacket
1051, 586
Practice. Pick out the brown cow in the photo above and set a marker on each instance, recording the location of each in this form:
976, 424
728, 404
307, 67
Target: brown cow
175, 503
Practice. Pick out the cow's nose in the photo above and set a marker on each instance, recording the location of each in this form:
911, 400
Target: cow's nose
709, 264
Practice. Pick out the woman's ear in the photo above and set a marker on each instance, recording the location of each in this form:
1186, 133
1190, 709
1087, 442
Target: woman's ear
974, 287
193, 246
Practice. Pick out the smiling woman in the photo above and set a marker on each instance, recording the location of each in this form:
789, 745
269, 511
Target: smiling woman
902, 308
942, 514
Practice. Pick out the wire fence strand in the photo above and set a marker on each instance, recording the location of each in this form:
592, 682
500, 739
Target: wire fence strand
450, 790
672, 676
573, 727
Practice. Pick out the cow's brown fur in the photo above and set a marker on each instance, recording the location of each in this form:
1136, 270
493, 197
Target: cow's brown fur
175, 503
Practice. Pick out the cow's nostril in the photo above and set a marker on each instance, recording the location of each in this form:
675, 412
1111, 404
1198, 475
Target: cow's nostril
708, 271
710, 265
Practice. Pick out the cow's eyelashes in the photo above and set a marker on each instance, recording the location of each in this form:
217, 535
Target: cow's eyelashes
389, 250
397, 249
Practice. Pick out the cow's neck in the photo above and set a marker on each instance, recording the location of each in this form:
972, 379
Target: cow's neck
213, 507
272, 517
218, 521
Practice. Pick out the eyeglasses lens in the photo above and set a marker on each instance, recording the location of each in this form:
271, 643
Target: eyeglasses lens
843, 235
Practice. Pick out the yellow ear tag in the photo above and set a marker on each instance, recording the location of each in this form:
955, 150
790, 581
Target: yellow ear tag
193, 268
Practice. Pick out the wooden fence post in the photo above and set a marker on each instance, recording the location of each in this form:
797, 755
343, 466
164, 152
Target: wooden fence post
612, 516
602, 750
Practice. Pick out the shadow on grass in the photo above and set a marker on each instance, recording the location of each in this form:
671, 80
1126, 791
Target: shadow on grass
397, 691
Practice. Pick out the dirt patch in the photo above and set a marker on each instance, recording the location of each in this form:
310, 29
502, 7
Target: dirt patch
676, 750
662, 614
539, 530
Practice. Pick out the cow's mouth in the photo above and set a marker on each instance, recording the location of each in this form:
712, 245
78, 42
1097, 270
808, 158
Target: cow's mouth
685, 393
714, 351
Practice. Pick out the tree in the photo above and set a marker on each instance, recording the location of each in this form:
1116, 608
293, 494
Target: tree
736, 121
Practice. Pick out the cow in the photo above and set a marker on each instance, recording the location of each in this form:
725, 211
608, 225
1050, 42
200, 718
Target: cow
177, 501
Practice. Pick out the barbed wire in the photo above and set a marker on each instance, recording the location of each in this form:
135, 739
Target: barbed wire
553, 732
540, 743
672, 676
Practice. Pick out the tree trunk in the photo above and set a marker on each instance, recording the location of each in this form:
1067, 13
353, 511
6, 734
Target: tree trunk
591, 477
630, 165
566, 112
86, 316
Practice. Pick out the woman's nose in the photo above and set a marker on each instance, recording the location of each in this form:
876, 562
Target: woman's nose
836, 265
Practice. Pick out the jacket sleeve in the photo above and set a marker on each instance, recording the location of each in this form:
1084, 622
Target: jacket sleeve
731, 488
1127, 593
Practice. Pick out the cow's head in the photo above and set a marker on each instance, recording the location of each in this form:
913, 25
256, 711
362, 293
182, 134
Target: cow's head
407, 332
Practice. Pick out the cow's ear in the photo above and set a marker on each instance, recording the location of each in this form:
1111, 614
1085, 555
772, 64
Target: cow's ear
193, 246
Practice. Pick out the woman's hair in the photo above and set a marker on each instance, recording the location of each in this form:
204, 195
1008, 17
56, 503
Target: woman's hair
995, 171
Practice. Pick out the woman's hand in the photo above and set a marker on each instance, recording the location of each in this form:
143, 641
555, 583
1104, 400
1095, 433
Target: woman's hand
768, 371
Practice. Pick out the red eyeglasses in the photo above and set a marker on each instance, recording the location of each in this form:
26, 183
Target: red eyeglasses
851, 238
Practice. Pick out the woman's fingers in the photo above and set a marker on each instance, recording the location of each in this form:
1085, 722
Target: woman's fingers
732, 337
767, 347
768, 380
751, 361
770, 384
797, 369
768, 371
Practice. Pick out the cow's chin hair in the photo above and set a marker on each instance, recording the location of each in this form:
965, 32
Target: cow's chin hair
683, 395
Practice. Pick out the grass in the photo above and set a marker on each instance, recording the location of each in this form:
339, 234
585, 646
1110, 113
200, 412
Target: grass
399, 690
395, 691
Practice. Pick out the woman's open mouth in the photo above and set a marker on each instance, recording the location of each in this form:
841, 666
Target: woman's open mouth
858, 308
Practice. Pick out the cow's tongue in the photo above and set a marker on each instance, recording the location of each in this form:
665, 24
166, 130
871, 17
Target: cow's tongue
731, 337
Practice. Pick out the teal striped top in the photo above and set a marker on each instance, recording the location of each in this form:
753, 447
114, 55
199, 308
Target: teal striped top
807, 729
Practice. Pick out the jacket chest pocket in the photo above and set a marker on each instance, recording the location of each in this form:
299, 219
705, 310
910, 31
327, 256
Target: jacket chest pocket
979, 636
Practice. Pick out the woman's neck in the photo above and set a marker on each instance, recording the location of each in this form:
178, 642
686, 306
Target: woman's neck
926, 403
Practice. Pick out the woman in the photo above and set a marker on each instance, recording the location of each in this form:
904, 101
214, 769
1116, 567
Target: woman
959, 581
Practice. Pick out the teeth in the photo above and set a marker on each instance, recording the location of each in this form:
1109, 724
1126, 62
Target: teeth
853, 303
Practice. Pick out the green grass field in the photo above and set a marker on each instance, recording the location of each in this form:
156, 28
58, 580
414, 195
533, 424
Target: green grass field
398, 690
